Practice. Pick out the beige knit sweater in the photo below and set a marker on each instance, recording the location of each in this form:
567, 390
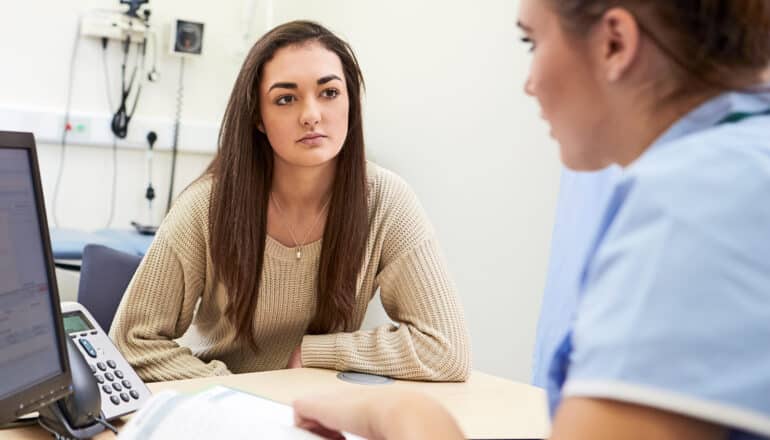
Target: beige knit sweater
170, 323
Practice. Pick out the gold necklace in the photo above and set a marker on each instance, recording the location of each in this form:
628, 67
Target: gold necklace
297, 244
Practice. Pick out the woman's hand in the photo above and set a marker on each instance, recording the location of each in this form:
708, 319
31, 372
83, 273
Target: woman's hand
295, 361
376, 414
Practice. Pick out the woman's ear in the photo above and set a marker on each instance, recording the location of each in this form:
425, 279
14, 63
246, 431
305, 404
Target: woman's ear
261, 128
618, 35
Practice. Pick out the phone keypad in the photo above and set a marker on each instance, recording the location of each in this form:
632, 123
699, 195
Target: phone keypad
113, 380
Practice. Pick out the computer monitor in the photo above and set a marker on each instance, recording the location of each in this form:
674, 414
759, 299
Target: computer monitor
34, 369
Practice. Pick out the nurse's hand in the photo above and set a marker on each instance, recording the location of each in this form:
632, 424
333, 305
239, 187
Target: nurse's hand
376, 414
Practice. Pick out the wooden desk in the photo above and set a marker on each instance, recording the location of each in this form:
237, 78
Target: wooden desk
486, 407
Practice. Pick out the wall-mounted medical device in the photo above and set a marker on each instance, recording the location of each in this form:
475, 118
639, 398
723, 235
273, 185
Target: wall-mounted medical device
133, 6
113, 25
186, 38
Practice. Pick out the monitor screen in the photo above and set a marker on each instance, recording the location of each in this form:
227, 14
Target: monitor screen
30, 348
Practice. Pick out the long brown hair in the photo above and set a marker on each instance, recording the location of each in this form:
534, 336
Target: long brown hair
716, 44
242, 172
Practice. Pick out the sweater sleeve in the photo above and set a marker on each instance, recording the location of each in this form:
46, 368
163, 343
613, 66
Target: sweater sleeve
159, 305
429, 341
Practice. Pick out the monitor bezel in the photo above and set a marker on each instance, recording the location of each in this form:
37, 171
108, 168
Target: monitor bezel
60, 385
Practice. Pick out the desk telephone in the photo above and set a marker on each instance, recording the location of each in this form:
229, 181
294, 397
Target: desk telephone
105, 387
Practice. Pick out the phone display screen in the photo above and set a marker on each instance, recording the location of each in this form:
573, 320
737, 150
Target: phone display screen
75, 322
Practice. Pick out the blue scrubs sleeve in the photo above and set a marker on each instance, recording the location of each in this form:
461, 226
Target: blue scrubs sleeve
675, 312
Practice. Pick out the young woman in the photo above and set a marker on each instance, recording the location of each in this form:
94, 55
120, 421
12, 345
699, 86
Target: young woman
270, 259
670, 338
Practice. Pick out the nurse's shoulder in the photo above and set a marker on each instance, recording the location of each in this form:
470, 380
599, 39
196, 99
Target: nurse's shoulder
714, 179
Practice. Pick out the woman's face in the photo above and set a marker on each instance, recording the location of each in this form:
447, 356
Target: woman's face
563, 81
304, 105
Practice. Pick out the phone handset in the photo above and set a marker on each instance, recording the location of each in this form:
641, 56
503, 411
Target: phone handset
78, 415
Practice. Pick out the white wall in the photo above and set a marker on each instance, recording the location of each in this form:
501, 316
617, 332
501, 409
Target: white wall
444, 108
37, 45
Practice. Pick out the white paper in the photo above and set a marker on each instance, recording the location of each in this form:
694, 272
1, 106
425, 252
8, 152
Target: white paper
219, 412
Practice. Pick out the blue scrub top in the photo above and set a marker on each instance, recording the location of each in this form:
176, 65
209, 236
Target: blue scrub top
582, 198
674, 298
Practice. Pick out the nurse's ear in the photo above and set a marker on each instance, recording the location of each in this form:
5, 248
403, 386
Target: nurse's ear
766, 75
617, 40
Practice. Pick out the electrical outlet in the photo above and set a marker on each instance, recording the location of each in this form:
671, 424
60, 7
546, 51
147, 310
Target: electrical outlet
80, 130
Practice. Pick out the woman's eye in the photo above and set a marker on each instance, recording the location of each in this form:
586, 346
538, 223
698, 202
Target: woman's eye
527, 40
283, 100
330, 93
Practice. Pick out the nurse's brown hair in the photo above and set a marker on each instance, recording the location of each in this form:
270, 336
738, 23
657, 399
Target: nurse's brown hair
721, 44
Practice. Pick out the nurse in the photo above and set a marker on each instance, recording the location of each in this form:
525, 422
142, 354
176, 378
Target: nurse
671, 336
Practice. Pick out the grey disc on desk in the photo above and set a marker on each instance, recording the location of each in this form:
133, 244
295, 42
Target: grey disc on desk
363, 378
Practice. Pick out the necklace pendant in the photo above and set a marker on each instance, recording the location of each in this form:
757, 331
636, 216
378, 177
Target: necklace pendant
299, 253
